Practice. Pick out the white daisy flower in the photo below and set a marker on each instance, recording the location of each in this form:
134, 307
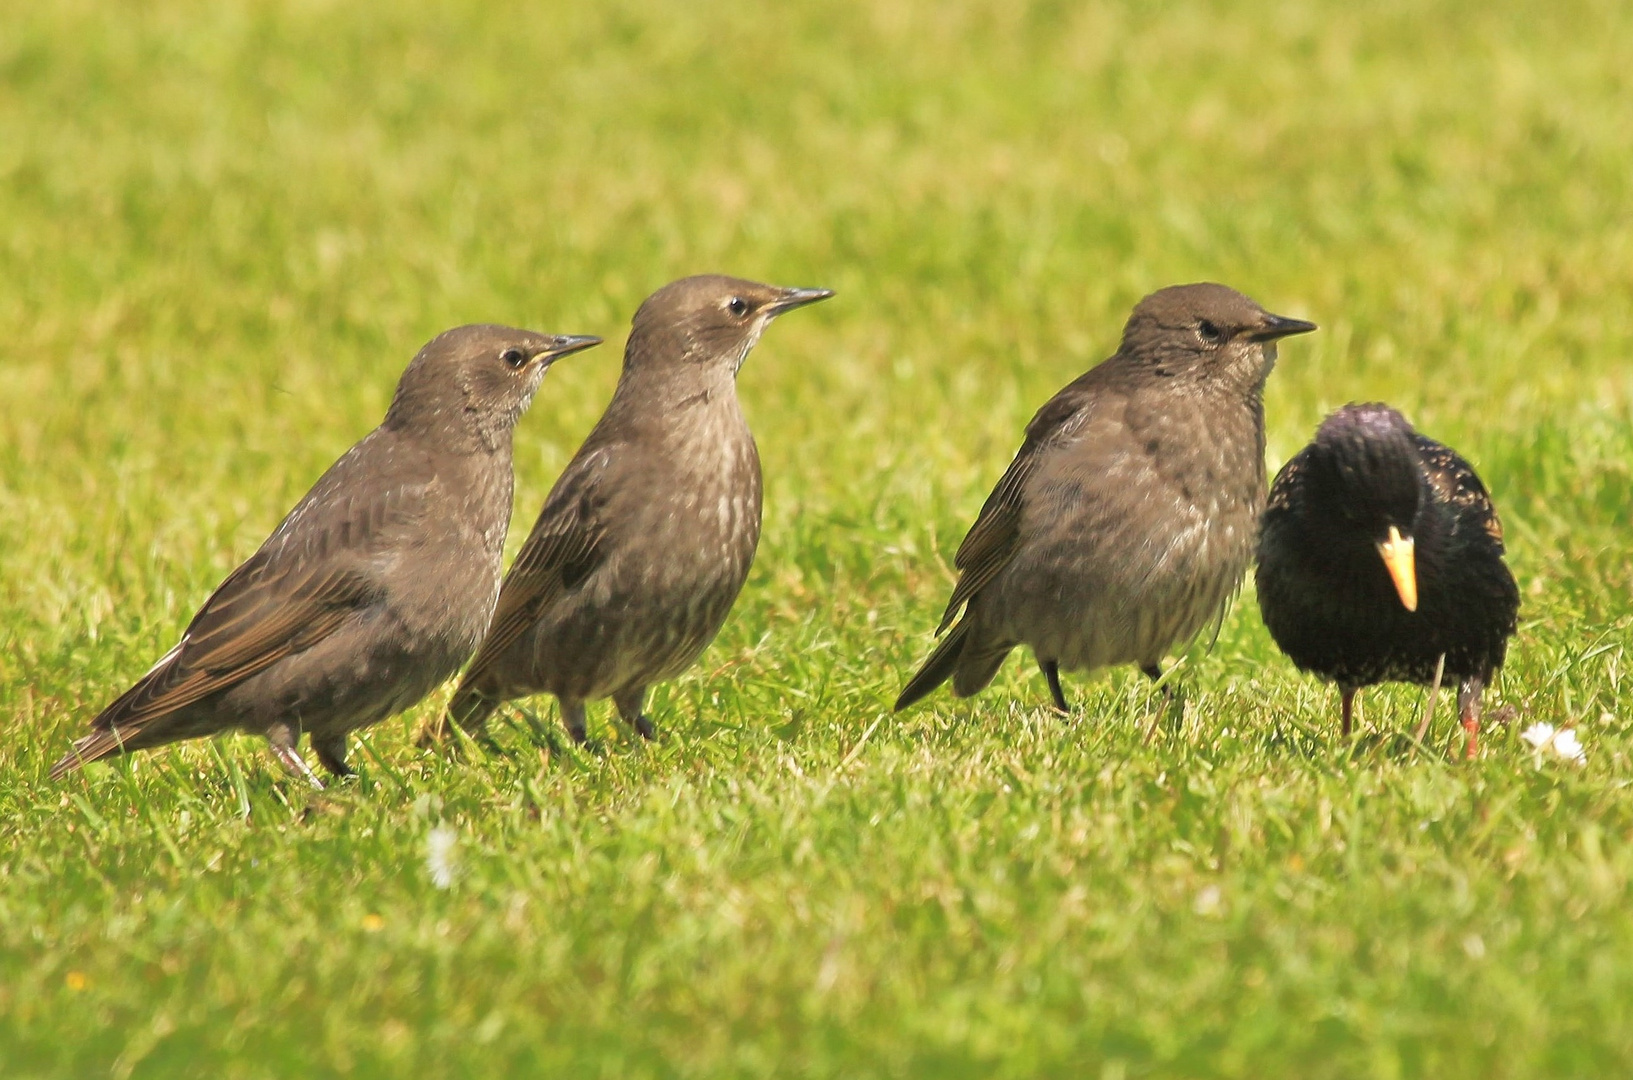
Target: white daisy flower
1538, 735
1567, 746
1560, 742
441, 855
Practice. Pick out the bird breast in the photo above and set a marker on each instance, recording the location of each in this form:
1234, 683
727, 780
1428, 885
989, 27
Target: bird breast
707, 502
1136, 536
456, 568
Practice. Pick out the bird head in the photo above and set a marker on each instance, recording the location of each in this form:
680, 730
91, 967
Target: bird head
1208, 332
1370, 472
710, 321
477, 381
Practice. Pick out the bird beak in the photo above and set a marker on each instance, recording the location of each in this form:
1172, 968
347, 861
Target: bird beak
793, 298
1280, 326
565, 345
1399, 560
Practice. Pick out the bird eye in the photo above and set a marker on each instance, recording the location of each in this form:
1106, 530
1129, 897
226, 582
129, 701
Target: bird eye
1209, 331
738, 306
514, 357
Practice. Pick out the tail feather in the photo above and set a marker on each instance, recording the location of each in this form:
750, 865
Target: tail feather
957, 658
471, 706
936, 670
93, 747
977, 668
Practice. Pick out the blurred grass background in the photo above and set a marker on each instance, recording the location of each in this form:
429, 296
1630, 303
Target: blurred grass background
226, 226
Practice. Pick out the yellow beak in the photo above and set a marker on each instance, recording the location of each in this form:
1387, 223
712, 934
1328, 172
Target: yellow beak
1402, 566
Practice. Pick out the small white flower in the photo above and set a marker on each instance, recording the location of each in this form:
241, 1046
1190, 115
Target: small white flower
1567, 746
441, 855
1561, 742
1209, 901
1538, 735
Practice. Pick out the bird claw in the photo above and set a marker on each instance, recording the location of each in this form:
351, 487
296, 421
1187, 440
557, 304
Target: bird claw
433, 734
296, 766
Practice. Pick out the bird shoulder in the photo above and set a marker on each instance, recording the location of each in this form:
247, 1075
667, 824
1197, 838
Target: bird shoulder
564, 547
1459, 486
318, 566
991, 542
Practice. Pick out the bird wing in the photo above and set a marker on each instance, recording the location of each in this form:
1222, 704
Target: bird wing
1461, 487
295, 591
1286, 483
994, 538
566, 544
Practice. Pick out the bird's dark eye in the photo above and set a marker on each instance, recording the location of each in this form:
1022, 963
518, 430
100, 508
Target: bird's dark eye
1210, 332
514, 357
738, 306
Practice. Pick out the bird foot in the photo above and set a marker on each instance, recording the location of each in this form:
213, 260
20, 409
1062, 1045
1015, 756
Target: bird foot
290, 758
1057, 696
1172, 709
432, 734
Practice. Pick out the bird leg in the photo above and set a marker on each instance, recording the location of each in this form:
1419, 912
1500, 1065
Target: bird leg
1429, 706
283, 736
630, 708
434, 732
1153, 671
1171, 701
572, 714
1468, 711
1051, 672
331, 752
1347, 704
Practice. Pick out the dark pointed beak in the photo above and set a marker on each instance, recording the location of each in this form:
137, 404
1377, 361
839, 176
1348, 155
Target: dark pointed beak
793, 298
1280, 326
565, 345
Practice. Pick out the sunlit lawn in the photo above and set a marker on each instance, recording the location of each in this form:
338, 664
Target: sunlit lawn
224, 229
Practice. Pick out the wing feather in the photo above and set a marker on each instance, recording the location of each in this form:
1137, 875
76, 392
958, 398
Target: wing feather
295, 591
1455, 477
995, 537
563, 548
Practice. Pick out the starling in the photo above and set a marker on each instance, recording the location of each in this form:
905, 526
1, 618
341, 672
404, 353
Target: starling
375, 588
1381, 552
645, 540
1126, 521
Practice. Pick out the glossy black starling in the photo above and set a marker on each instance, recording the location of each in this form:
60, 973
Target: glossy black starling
1381, 552
1126, 521
375, 588
646, 539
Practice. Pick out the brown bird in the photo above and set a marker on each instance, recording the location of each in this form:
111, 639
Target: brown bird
1126, 521
1380, 554
374, 589
646, 539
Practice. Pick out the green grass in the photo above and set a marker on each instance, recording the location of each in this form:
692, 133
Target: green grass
225, 227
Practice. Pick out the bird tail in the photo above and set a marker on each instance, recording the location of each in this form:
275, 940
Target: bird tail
94, 747
470, 708
956, 658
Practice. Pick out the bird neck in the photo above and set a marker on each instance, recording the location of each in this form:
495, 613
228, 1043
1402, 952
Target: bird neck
451, 424
659, 398
1370, 483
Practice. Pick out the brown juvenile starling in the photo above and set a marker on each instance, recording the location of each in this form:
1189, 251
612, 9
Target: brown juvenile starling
1380, 553
1126, 521
646, 539
374, 589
